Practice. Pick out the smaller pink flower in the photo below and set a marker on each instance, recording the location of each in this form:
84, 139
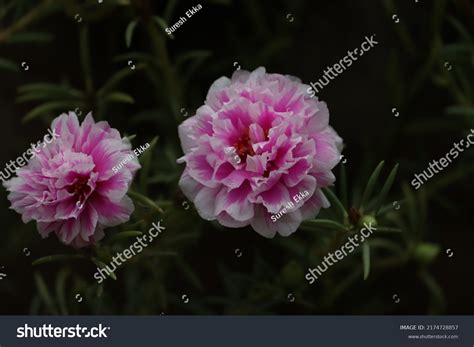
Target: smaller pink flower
70, 188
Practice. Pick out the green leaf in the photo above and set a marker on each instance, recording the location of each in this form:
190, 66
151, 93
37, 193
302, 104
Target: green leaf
145, 161
163, 25
390, 207
124, 235
117, 78
316, 224
366, 259
371, 184
50, 107
129, 32
9, 65
61, 291
335, 201
388, 230
145, 200
385, 189
460, 110
163, 178
457, 49
27, 37
51, 258
55, 90
119, 97
102, 265
386, 244
152, 253
44, 294
45, 96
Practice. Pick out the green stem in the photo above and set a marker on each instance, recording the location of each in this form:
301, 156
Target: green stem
160, 51
85, 59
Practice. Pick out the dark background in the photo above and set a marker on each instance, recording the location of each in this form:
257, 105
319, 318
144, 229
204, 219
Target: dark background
406, 71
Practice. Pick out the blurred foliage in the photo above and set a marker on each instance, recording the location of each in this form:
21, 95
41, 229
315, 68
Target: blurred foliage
236, 271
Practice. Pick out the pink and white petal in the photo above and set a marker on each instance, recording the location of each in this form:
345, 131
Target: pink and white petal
67, 127
185, 133
111, 213
199, 169
262, 223
224, 219
289, 223
68, 230
313, 205
205, 202
217, 96
305, 188
274, 198
66, 209
328, 152
235, 202
236, 178
89, 220
189, 186
256, 163
116, 186
320, 120
256, 133
324, 179
46, 228
297, 172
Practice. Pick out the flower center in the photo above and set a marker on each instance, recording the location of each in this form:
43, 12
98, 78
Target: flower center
270, 167
243, 146
80, 188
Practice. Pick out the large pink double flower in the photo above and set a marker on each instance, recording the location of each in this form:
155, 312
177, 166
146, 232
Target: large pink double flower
69, 187
258, 143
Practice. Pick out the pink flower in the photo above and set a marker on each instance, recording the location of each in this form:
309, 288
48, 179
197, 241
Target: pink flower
69, 187
259, 143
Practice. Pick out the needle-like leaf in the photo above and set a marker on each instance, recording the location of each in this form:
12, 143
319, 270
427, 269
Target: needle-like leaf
369, 188
366, 259
385, 189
